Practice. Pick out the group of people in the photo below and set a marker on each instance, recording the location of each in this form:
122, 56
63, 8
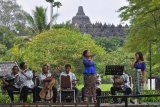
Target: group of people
23, 80
138, 80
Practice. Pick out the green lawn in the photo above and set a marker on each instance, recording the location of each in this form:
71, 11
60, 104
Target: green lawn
104, 87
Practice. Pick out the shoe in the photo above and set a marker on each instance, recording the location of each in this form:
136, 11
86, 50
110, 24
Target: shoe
114, 102
140, 102
132, 101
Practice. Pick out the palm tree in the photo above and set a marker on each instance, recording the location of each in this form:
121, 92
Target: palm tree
53, 4
38, 22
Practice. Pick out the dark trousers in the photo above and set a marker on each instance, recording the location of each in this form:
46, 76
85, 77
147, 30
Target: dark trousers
66, 95
24, 93
98, 92
36, 91
10, 92
115, 89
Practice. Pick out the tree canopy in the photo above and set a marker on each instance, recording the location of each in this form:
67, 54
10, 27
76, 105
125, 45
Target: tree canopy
11, 14
59, 47
144, 29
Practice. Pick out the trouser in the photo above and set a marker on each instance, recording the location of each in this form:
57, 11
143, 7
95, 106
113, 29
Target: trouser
98, 93
36, 91
114, 89
10, 92
24, 93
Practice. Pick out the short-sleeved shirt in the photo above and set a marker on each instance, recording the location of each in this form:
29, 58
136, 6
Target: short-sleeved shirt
43, 76
140, 65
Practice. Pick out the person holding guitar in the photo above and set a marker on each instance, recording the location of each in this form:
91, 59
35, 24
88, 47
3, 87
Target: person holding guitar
121, 83
10, 82
46, 90
73, 79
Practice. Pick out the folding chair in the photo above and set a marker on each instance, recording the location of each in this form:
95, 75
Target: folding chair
66, 85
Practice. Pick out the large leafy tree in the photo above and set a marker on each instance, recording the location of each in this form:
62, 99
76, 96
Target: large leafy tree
11, 14
7, 37
38, 22
59, 47
145, 27
110, 44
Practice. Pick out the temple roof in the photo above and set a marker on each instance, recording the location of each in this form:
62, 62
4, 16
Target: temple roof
80, 18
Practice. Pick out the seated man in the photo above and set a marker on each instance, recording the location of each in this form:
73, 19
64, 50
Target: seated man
98, 83
26, 82
98, 89
10, 82
44, 77
121, 83
73, 80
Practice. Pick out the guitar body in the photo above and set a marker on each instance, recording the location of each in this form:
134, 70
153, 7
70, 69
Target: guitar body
46, 93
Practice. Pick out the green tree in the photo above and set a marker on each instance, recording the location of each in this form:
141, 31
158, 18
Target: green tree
11, 13
38, 22
59, 47
145, 24
7, 37
110, 44
62, 46
53, 4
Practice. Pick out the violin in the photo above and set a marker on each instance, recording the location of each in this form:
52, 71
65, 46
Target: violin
46, 93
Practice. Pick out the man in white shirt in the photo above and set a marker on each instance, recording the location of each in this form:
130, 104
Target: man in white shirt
73, 80
10, 82
125, 86
26, 83
44, 77
98, 83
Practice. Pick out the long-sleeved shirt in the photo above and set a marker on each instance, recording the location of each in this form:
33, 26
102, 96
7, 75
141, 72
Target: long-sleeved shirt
14, 79
26, 79
89, 66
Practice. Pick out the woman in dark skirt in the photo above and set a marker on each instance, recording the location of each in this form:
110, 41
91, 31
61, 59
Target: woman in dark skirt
139, 75
89, 76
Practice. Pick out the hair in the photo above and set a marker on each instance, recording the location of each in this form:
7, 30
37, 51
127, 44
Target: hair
84, 52
140, 56
22, 64
15, 66
45, 65
67, 65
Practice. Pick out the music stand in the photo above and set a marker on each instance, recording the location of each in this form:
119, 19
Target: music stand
114, 70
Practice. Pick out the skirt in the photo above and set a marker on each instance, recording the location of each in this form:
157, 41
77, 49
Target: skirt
137, 84
90, 85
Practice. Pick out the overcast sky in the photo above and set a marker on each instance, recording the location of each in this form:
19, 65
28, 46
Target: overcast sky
97, 10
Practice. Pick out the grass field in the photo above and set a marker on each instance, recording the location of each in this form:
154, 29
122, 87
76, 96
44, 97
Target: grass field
104, 87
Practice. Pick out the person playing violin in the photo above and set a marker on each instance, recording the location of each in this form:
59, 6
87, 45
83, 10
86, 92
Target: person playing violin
73, 79
10, 82
44, 77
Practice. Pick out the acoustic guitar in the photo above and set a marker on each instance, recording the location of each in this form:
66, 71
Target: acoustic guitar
46, 93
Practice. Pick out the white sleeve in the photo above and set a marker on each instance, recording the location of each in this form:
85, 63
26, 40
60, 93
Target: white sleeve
29, 75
